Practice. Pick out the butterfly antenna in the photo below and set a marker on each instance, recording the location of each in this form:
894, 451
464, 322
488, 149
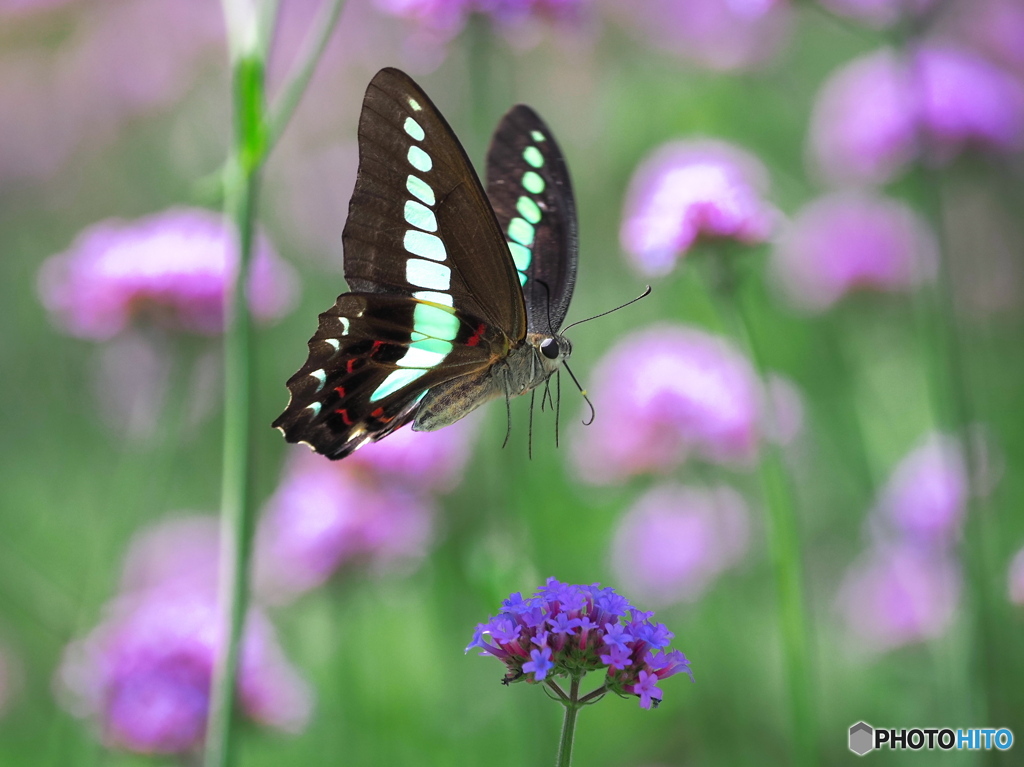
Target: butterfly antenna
593, 413
646, 293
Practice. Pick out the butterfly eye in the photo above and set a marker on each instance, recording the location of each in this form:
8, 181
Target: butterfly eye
549, 348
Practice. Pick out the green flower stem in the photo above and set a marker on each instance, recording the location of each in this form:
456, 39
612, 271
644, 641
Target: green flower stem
572, 709
783, 536
249, 34
241, 185
316, 43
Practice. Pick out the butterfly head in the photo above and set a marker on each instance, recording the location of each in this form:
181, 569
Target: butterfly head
552, 350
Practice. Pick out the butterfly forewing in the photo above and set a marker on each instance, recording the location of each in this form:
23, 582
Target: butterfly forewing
419, 221
530, 192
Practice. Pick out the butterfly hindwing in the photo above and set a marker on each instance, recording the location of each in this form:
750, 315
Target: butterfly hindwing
531, 194
367, 371
419, 220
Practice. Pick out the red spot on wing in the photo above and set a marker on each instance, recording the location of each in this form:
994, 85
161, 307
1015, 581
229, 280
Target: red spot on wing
343, 412
376, 346
379, 415
474, 339
340, 390
350, 365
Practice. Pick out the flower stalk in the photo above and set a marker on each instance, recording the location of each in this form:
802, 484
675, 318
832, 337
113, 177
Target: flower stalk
783, 533
249, 34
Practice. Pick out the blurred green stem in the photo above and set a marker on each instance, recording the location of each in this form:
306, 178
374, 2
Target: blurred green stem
782, 528
302, 73
249, 33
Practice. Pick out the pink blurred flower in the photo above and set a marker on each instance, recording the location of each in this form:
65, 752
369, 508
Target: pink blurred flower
877, 13
324, 515
847, 241
447, 17
994, 27
55, 99
144, 673
926, 496
871, 114
676, 540
170, 268
1015, 579
431, 461
26, 6
688, 190
723, 35
899, 595
667, 392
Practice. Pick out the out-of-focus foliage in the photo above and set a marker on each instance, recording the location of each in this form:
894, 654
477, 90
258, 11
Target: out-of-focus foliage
875, 218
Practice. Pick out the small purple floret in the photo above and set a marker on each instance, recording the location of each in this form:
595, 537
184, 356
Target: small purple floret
646, 690
540, 664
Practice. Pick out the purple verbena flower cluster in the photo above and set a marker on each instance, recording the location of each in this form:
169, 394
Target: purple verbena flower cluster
570, 630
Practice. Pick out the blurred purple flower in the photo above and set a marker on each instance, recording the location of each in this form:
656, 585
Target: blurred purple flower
688, 190
994, 27
877, 13
718, 34
851, 240
178, 554
619, 640
324, 515
169, 268
664, 393
1015, 579
872, 114
53, 99
425, 460
144, 673
24, 6
676, 540
925, 499
446, 18
899, 595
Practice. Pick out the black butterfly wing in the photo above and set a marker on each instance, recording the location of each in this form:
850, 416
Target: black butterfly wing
366, 372
436, 295
419, 216
529, 188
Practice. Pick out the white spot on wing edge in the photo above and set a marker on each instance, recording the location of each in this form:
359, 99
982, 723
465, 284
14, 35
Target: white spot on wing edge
333, 342
321, 376
415, 105
346, 323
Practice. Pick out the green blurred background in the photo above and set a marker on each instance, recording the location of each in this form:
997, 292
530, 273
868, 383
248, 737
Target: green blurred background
385, 652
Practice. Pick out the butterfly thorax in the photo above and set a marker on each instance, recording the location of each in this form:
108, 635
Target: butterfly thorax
526, 367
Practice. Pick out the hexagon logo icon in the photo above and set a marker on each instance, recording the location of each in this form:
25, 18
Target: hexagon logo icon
862, 738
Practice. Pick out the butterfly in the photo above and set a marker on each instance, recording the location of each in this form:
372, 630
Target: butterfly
457, 295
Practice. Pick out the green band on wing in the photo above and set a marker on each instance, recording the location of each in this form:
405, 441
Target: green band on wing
428, 274
521, 231
426, 245
395, 381
419, 215
419, 159
522, 279
533, 156
421, 189
528, 209
435, 345
435, 322
532, 183
521, 255
414, 129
